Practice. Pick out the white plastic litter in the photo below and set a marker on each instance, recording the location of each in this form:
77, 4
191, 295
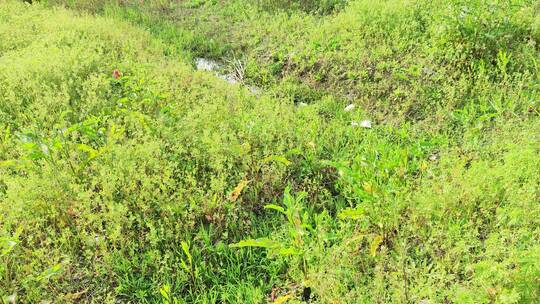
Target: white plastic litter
349, 107
363, 124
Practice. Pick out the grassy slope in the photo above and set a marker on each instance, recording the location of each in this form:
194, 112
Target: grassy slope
103, 180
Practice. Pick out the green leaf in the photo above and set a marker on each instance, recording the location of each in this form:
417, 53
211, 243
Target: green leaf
275, 207
262, 242
350, 213
6, 246
295, 151
375, 245
7, 163
7, 134
282, 299
288, 251
184, 265
33, 150
165, 291
49, 272
185, 248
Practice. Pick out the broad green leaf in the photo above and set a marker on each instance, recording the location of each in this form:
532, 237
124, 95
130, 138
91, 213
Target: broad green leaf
275, 207
185, 248
288, 251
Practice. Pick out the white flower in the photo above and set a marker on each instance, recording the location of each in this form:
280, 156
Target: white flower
349, 107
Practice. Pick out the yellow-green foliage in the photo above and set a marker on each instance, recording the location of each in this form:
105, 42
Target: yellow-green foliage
105, 177
98, 172
394, 57
125, 174
477, 220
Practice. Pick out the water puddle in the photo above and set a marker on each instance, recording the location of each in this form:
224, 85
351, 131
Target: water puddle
203, 64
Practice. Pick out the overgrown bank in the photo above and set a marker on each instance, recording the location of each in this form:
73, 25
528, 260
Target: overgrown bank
131, 185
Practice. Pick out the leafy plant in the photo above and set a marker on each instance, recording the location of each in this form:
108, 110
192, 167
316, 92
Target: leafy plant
298, 228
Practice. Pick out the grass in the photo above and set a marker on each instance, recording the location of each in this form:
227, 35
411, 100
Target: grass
128, 176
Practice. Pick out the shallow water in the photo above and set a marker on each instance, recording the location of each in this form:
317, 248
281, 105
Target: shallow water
209, 65
203, 64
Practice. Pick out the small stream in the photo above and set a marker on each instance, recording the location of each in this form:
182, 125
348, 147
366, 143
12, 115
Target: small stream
209, 65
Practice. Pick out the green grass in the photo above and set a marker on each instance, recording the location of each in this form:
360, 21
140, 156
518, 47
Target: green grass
170, 185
